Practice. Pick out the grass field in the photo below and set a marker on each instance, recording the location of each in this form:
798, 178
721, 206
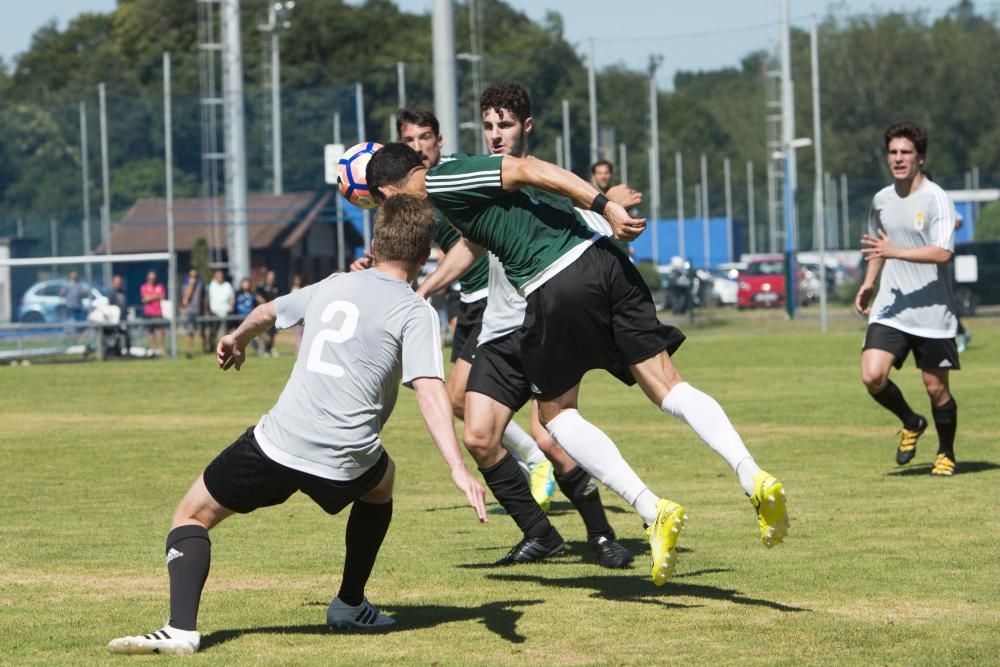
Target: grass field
883, 565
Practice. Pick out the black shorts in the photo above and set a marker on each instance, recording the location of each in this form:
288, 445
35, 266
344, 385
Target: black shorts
242, 478
930, 354
498, 372
470, 323
595, 313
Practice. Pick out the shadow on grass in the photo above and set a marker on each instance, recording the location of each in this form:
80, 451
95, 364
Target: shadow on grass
964, 467
499, 617
557, 508
641, 589
575, 549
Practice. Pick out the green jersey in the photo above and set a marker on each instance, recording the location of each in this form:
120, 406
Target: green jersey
532, 233
474, 280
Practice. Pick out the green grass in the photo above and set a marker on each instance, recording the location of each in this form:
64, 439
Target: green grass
883, 565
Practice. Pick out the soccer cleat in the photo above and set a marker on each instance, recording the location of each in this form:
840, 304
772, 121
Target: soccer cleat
663, 534
908, 442
772, 512
962, 341
167, 640
534, 549
610, 554
944, 465
543, 483
343, 616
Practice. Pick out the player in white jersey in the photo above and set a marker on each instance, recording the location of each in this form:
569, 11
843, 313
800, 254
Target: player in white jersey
910, 239
364, 332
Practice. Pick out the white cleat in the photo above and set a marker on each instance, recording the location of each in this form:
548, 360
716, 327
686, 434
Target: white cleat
342, 616
167, 640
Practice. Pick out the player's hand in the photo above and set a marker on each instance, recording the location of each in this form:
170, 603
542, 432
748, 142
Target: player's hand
877, 246
229, 352
362, 263
862, 298
624, 226
624, 195
473, 490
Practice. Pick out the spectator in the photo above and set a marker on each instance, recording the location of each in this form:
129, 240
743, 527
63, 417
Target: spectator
297, 284
221, 300
192, 307
152, 293
74, 293
601, 173
119, 334
268, 291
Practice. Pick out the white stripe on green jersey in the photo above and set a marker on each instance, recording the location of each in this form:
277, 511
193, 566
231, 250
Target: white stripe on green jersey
915, 297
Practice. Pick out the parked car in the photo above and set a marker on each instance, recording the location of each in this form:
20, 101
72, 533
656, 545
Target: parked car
725, 286
762, 284
44, 301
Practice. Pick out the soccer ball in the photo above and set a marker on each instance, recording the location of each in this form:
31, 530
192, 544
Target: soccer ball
351, 174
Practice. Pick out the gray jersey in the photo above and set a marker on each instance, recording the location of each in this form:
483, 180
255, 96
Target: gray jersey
915, 297
363, 332
504, 304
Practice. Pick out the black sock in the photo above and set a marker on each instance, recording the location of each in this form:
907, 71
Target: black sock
946, 421
511, 489
582, 491
189, 553
891, 398
366, 528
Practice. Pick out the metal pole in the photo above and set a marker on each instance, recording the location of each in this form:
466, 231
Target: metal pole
53, 241
787, 136
341, 264
623, 162
445, 84
751, 209
729, 209
679, 169
276, 111
235, 144
592, 86
393, 130
819, 214
975, 186
654, 153
168, 143
559, 151
106, 208
401, 84
85, 168
567, 146
359, 116
705, 231
845, 215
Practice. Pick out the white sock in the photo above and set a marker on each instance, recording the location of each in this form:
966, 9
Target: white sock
598, 455
645, 505
520, 442
706, 418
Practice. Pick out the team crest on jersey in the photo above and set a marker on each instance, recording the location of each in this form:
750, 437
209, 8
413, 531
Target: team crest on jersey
918, 222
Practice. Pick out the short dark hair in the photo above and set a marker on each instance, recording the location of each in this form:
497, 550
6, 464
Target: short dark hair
908, 130
403, 228
509, 96
390, 165
417, 116
600, 163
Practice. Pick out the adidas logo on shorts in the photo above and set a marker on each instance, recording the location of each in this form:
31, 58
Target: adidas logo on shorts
944, 364
535, 389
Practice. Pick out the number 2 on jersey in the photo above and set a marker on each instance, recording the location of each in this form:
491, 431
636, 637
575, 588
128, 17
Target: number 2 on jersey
338, 335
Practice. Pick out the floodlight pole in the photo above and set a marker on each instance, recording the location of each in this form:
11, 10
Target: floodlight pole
751, 213
679, 168
341, 264
727, 178
654, 155
592, 86
787, 137
401, 84
568, 159
85, 168
235, 143
845, 214
705, 230
623, 162
819, 212
445, 84
168, 144
359, 112
106, 207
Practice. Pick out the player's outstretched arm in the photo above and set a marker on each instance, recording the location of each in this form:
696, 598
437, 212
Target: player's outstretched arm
232, 347
435, 406
456, 262
863, 298
520, 172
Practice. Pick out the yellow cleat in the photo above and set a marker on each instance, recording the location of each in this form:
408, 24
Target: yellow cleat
772, 513
908, 442
663, 534
943, 466
543, 483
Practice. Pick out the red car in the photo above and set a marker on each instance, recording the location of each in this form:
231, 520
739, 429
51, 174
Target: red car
762, 284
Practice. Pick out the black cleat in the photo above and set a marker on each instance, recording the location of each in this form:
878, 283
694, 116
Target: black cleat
610, 554
534, 549
908, 442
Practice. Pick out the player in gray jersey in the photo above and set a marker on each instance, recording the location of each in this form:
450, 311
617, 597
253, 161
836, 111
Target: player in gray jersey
910, 240
364, 332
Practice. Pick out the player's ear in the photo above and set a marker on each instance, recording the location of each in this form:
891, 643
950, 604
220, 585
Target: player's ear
440, 141
529, 125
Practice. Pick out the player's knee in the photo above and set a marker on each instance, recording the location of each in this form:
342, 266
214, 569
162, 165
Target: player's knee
874, 379
481, 443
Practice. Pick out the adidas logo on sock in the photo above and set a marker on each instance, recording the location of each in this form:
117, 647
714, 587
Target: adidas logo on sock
172, 554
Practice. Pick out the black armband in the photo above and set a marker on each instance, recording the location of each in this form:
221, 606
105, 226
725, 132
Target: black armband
600, 201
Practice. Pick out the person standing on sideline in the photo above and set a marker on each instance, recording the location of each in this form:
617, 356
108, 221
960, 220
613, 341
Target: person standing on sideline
322, 436
268, 291
601, 173
152, 292
192, 300
221, 299
910, 240
74, 293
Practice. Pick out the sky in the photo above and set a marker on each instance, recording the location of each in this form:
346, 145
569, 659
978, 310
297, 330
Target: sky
704, 35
